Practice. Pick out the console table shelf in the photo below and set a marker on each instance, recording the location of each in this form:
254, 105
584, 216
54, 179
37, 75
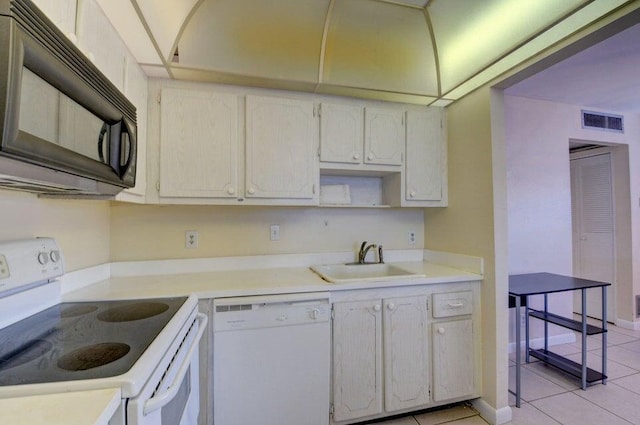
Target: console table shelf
574, 325
567, 365
524, 285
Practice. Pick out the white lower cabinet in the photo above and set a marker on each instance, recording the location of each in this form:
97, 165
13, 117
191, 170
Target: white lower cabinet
357, 359
371, 336
393, 355
452, 359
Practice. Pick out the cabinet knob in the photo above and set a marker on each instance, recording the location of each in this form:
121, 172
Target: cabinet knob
231, 191
356, 156
412, 194
391, 306
370, 157
315, 313
377, 307
251, 191
441, 330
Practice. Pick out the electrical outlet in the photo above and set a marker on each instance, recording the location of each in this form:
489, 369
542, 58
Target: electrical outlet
411, 237
274, 232
191, 239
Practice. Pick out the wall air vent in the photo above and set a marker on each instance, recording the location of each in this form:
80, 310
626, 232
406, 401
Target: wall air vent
600, 121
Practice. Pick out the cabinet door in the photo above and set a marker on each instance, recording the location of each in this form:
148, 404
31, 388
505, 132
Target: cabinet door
100, 42
280, 140
341, 133
406, 354
198, 144
61, 12
384, 136
423, 173
453, 359
357, 359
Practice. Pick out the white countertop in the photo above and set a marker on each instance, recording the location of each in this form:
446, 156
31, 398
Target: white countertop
268, 281
93, 407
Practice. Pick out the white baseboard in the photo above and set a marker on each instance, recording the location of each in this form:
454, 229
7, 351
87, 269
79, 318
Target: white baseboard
566, 338
491, 414
626, 324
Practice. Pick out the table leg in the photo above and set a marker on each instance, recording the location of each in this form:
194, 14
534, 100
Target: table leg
518, 305
526, 332
604, 333
546, 323
584, 338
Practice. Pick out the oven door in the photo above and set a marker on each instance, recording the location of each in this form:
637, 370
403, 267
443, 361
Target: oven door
174, 398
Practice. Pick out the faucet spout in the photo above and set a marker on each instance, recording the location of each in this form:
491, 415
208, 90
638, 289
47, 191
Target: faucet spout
364, 249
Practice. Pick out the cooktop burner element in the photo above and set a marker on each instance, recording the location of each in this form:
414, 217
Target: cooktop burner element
93, 356
85, 340
77, 310
131, 312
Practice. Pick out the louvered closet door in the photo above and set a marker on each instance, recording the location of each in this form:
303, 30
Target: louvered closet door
592, 212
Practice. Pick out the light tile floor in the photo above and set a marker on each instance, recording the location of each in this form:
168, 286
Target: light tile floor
550, 397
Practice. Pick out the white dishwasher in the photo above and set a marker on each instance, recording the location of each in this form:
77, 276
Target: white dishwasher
271, 360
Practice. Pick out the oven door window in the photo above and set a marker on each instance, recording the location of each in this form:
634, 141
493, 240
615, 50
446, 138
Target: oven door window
50, 115
174, 410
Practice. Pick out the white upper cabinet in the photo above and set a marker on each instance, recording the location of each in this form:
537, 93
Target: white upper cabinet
372, 137
198, 144
61, 12
341, 133
425, 171
100, 42
384, 136
280, 148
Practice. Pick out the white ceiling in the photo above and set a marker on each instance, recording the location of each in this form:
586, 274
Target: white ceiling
420, 51
604, 77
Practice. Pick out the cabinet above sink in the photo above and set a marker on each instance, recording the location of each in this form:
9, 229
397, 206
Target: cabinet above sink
221, 145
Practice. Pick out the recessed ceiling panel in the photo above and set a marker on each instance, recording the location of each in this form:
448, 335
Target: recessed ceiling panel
471, 35
125, 20
165, 19
380, 46
273, 39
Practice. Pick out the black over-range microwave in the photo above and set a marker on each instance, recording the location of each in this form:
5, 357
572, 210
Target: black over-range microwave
66, 129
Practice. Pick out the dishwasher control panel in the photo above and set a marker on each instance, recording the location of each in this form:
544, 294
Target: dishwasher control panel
270, 311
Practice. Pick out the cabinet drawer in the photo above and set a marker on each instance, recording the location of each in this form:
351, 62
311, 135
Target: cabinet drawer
452, 304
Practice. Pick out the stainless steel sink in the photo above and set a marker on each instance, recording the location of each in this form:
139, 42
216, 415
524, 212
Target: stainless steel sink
345, 273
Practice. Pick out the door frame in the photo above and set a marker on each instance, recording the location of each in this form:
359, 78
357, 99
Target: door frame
622, 285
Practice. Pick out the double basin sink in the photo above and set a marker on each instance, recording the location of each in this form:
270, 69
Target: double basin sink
356, 272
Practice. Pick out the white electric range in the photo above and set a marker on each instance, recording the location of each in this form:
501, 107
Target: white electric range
146, 347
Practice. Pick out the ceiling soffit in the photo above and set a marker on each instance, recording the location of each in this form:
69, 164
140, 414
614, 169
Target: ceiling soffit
414, 51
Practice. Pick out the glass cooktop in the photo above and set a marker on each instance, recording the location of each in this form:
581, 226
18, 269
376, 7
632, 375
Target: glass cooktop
84, 340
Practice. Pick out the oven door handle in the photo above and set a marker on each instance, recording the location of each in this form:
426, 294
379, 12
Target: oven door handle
163, 399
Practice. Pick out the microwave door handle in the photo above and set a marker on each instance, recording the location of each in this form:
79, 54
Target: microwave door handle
161, 400
130, 151
103, 132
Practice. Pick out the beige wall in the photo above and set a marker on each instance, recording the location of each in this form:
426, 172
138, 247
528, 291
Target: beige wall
467, 227
147, 232
81, 227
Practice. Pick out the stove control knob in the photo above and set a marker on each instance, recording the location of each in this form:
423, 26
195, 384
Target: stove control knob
43, 258
54, 255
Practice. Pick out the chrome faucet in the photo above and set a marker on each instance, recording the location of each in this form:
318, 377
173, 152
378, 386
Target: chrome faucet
364, 248
380, 259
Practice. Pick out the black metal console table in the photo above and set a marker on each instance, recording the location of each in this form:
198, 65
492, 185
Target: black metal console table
521, 287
